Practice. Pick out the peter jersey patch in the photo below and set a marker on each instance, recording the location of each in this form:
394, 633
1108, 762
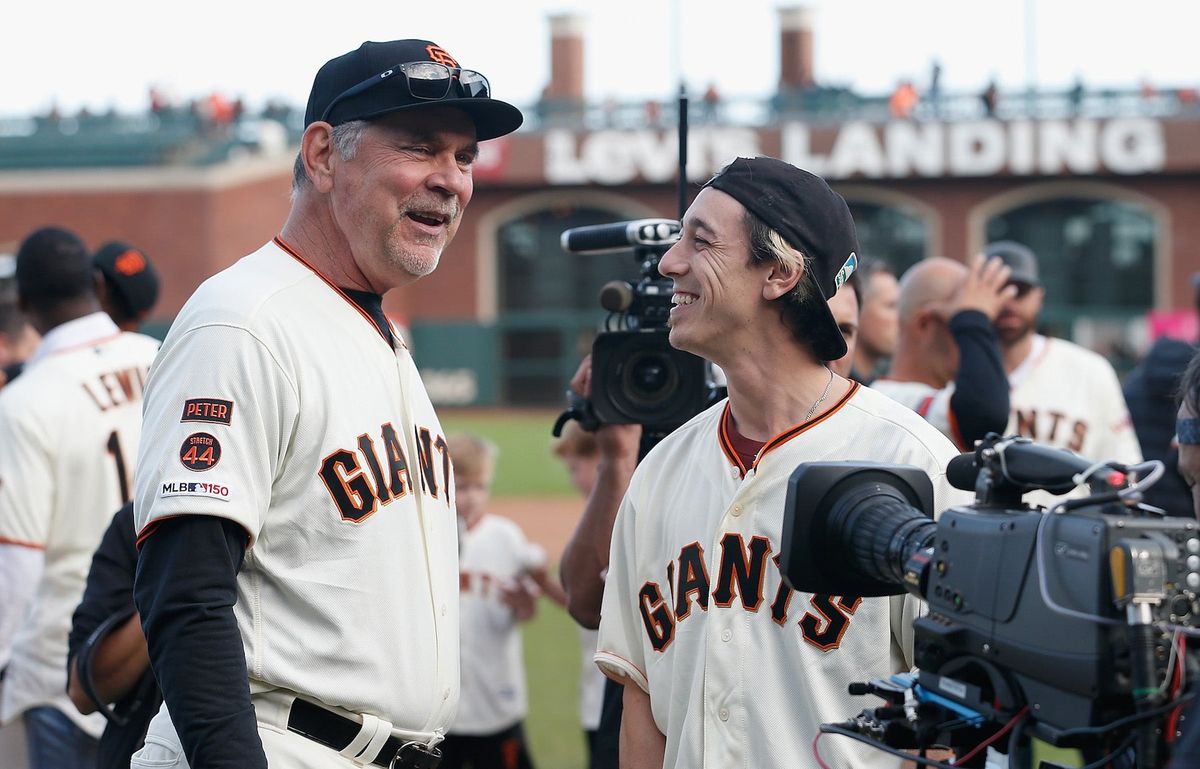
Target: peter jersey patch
194, 489
200, 452
212, 410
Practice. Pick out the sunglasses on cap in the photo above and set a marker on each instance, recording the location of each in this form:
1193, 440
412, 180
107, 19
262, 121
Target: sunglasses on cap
426, 80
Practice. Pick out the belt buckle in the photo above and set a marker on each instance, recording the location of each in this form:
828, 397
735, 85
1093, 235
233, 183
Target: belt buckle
407, 750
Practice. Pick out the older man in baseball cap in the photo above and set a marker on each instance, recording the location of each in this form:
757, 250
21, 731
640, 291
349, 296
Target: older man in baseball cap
298, 578
697, 623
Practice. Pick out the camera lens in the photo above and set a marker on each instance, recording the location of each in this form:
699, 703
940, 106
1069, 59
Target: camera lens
649, 378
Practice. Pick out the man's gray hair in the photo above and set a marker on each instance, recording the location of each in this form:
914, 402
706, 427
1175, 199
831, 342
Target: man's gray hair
346, 137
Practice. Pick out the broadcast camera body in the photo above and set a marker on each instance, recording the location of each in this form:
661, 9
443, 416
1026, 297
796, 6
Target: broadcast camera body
1064, 624
637, 377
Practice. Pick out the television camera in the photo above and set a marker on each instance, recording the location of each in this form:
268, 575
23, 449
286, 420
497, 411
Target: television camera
637, 377
1069, 624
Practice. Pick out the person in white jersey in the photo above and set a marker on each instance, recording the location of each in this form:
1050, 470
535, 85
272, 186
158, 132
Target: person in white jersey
947, 365
1062, 394
723, 664
298, 567
501, 575
69, 429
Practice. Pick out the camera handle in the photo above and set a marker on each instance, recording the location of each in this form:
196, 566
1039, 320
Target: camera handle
581, 410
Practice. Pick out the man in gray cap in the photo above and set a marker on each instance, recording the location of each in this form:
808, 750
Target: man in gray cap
1062, 394
298, 574
695, 610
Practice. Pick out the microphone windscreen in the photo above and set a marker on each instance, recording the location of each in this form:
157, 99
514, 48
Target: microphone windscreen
962, 471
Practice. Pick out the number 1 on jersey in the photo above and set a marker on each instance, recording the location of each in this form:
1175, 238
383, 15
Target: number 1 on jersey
114, 449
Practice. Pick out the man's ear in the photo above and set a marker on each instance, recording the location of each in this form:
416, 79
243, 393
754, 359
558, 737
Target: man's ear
316, 152
99, 285
781, 281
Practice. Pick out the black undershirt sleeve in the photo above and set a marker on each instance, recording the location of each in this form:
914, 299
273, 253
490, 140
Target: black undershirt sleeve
980, 401
109, 582
185, 589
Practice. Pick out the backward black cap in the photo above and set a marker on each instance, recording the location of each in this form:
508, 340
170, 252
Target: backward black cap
812, 218
492, 117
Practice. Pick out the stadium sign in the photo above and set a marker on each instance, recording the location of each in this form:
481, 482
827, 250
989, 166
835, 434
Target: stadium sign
900, 149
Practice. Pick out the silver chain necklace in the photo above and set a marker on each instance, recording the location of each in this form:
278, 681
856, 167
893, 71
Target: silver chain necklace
820, 400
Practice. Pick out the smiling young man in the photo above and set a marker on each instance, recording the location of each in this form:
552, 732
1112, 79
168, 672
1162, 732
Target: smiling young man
298, 573
723, 664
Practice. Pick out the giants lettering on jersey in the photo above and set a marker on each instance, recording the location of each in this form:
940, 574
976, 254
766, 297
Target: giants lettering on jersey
740, 576
476, 582
1051, 427
117, 388
361, 479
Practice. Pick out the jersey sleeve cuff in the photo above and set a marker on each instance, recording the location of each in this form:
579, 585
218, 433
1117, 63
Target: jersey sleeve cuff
152, 526
621, 670
23, 543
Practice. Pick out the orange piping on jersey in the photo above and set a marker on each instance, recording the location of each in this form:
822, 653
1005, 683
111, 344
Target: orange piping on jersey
787, 435
726, 443
149, 529
279, 241
89, 343
21, 543
622, 679
152, 527
780, 439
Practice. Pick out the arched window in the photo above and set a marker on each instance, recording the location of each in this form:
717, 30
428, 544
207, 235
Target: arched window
892, 234
1096, 257
536, 274
549, 300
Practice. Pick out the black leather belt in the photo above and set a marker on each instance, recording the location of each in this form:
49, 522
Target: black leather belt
336, 732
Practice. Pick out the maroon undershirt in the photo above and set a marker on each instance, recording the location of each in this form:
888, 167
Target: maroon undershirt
746, 448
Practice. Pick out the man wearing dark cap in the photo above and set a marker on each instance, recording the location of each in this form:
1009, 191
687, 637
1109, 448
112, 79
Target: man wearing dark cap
723, 665
126, 283
298, 575
1062, 394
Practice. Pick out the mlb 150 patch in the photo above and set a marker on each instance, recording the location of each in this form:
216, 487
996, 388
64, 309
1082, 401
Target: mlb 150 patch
200, 452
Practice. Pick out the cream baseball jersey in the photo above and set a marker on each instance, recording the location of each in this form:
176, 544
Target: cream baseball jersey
278, 404
739, 668
494, 697
69, 429
1067, 396
930, 403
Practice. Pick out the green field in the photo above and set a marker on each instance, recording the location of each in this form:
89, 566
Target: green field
552, 663
526, 468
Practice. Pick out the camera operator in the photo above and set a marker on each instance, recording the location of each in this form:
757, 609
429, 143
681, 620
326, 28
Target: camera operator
1187, 430
584, 560
723, 664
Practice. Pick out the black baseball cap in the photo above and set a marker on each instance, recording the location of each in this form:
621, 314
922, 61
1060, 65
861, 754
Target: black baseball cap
1019, 258
392, 94
812, 218
129, 275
